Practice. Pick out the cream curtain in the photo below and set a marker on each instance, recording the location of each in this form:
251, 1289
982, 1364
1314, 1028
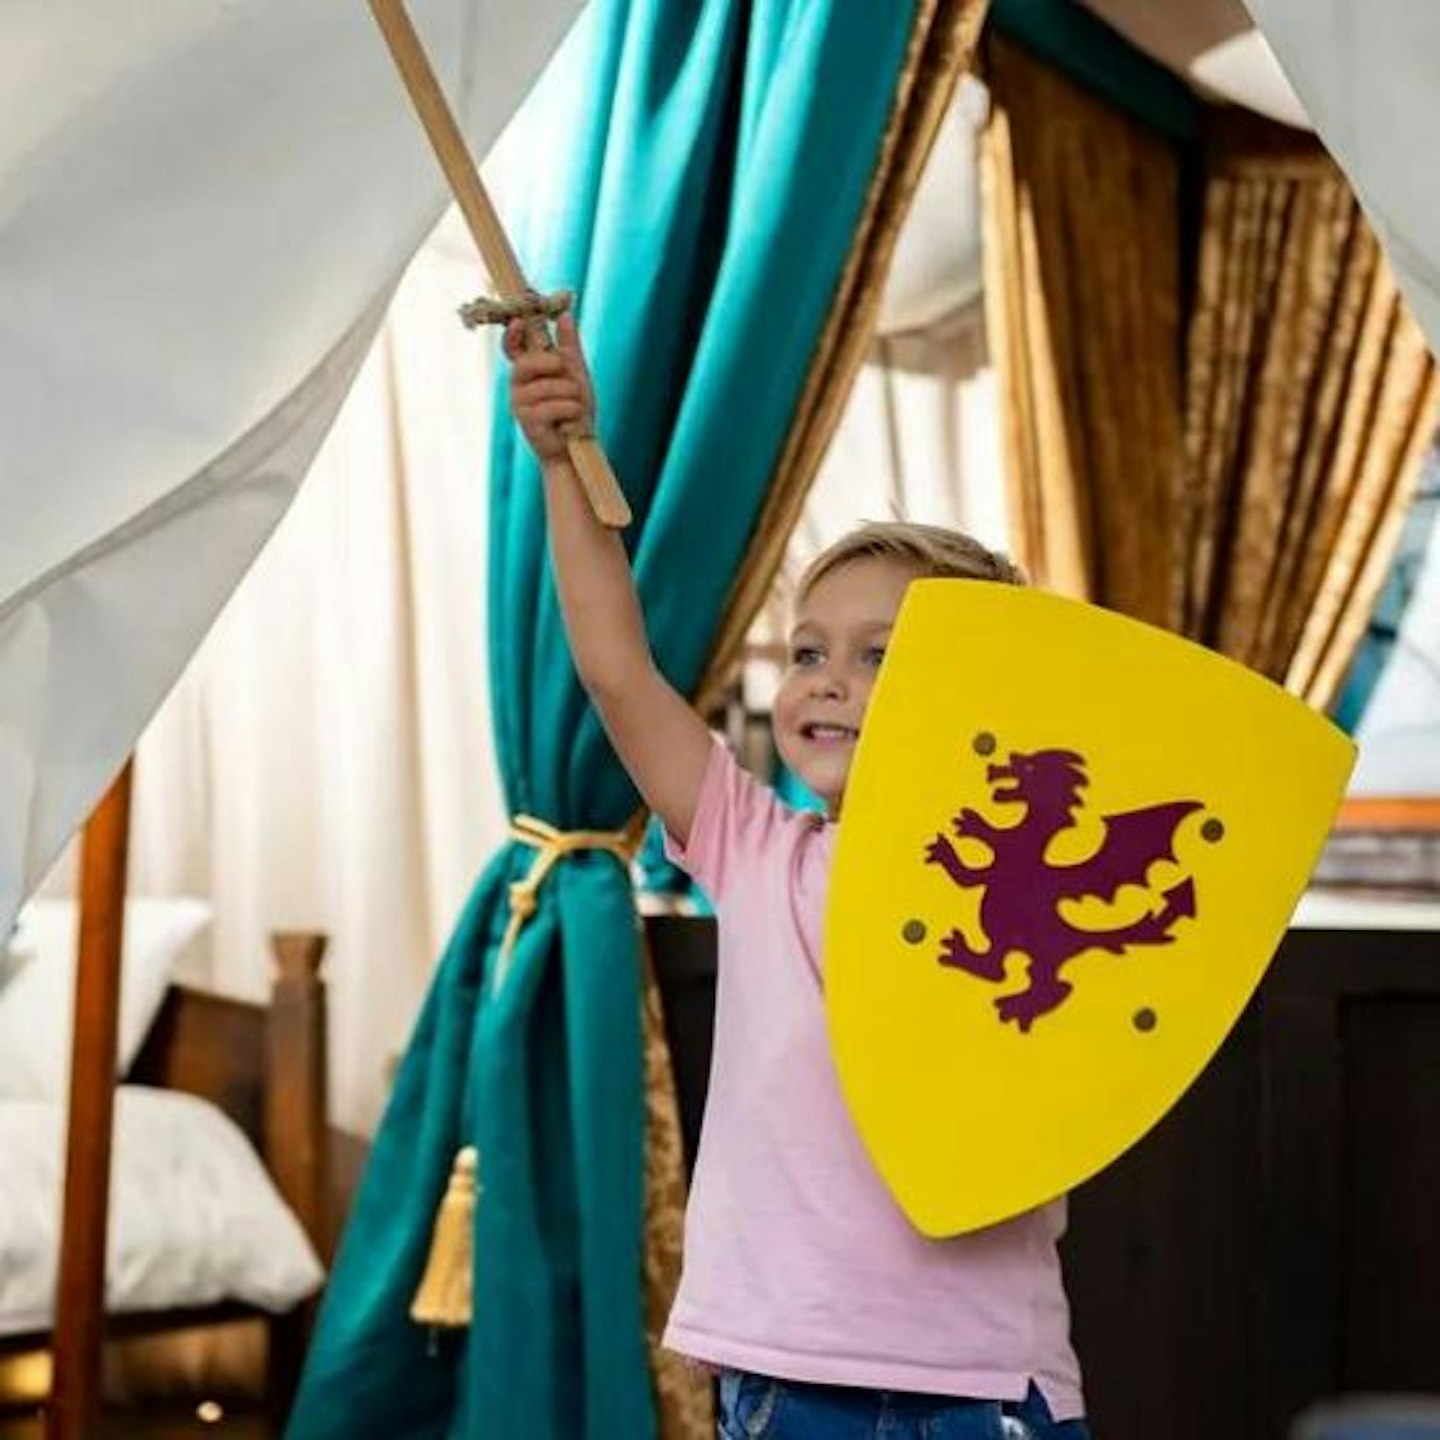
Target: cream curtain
325, 761
919, 437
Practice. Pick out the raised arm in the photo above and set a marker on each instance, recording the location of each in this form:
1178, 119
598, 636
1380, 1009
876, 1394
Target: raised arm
661, 741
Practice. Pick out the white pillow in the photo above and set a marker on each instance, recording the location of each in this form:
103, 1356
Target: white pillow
194, 1217
37, 1006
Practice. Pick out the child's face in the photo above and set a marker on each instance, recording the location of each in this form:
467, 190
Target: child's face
838, 641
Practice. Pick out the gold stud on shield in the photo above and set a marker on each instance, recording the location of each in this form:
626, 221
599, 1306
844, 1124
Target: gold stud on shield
1071, 844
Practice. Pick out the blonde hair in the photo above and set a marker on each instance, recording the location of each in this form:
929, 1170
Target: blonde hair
935, 552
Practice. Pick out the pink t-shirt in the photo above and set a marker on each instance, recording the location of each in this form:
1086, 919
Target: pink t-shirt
798, 1264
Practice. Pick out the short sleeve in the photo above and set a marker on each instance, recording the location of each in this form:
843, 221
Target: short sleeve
736, 819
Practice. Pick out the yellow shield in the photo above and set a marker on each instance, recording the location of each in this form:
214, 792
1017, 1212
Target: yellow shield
1070, 845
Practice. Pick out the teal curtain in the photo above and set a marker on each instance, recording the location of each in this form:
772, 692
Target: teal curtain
706, 166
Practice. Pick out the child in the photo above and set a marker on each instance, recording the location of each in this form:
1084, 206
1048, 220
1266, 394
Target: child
824, 1311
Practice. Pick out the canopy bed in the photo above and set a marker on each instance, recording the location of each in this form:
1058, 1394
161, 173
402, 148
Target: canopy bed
219, 1146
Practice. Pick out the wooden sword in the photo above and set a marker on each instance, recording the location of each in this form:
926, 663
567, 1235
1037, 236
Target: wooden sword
601, 488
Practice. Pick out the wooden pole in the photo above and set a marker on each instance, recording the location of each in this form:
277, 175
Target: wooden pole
602, 490
74, 1410
296, 1083
296, 1136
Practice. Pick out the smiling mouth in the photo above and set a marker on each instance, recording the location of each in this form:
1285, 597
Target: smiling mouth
822, 734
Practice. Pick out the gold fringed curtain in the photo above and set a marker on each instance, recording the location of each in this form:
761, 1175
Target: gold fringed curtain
682, 1391
1082, 308
1311, 398
1240, 474
942, 43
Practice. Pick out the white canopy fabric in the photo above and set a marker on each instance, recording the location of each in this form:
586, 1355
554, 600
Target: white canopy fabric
1368, 75
203, 210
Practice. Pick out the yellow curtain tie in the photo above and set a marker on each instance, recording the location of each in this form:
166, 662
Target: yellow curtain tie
551, 846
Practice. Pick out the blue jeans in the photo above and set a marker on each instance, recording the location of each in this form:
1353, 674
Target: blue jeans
753, 1407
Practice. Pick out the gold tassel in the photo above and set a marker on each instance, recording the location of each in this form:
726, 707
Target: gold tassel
445, 1295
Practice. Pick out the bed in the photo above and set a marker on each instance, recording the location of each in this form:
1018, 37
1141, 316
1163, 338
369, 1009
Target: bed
216, 1206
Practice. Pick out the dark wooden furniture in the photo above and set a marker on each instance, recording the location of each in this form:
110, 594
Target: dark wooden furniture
1275, 1240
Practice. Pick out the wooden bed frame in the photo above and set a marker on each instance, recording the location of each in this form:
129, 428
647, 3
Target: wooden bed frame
263, 1065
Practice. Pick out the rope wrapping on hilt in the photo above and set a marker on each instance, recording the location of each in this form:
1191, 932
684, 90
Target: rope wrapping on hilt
532, 308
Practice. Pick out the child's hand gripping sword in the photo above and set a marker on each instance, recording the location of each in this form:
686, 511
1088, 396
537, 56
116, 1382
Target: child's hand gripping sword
517, 299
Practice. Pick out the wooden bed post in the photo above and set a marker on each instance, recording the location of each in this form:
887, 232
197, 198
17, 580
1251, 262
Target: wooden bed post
295, 1133
295, 1092
74, 1409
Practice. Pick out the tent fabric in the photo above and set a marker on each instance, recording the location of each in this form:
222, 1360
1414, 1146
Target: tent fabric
203, 209
1366, 76
712, 185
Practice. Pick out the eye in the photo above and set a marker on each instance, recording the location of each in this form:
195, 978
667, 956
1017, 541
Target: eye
805, 657
874, 655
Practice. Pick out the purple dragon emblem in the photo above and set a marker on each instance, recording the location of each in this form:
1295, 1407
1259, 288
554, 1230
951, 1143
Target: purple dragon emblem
1023, 890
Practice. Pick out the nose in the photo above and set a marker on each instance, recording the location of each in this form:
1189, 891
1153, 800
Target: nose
827, 683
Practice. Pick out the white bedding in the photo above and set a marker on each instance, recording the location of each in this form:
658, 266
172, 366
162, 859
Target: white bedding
37, 1002
194, 1217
